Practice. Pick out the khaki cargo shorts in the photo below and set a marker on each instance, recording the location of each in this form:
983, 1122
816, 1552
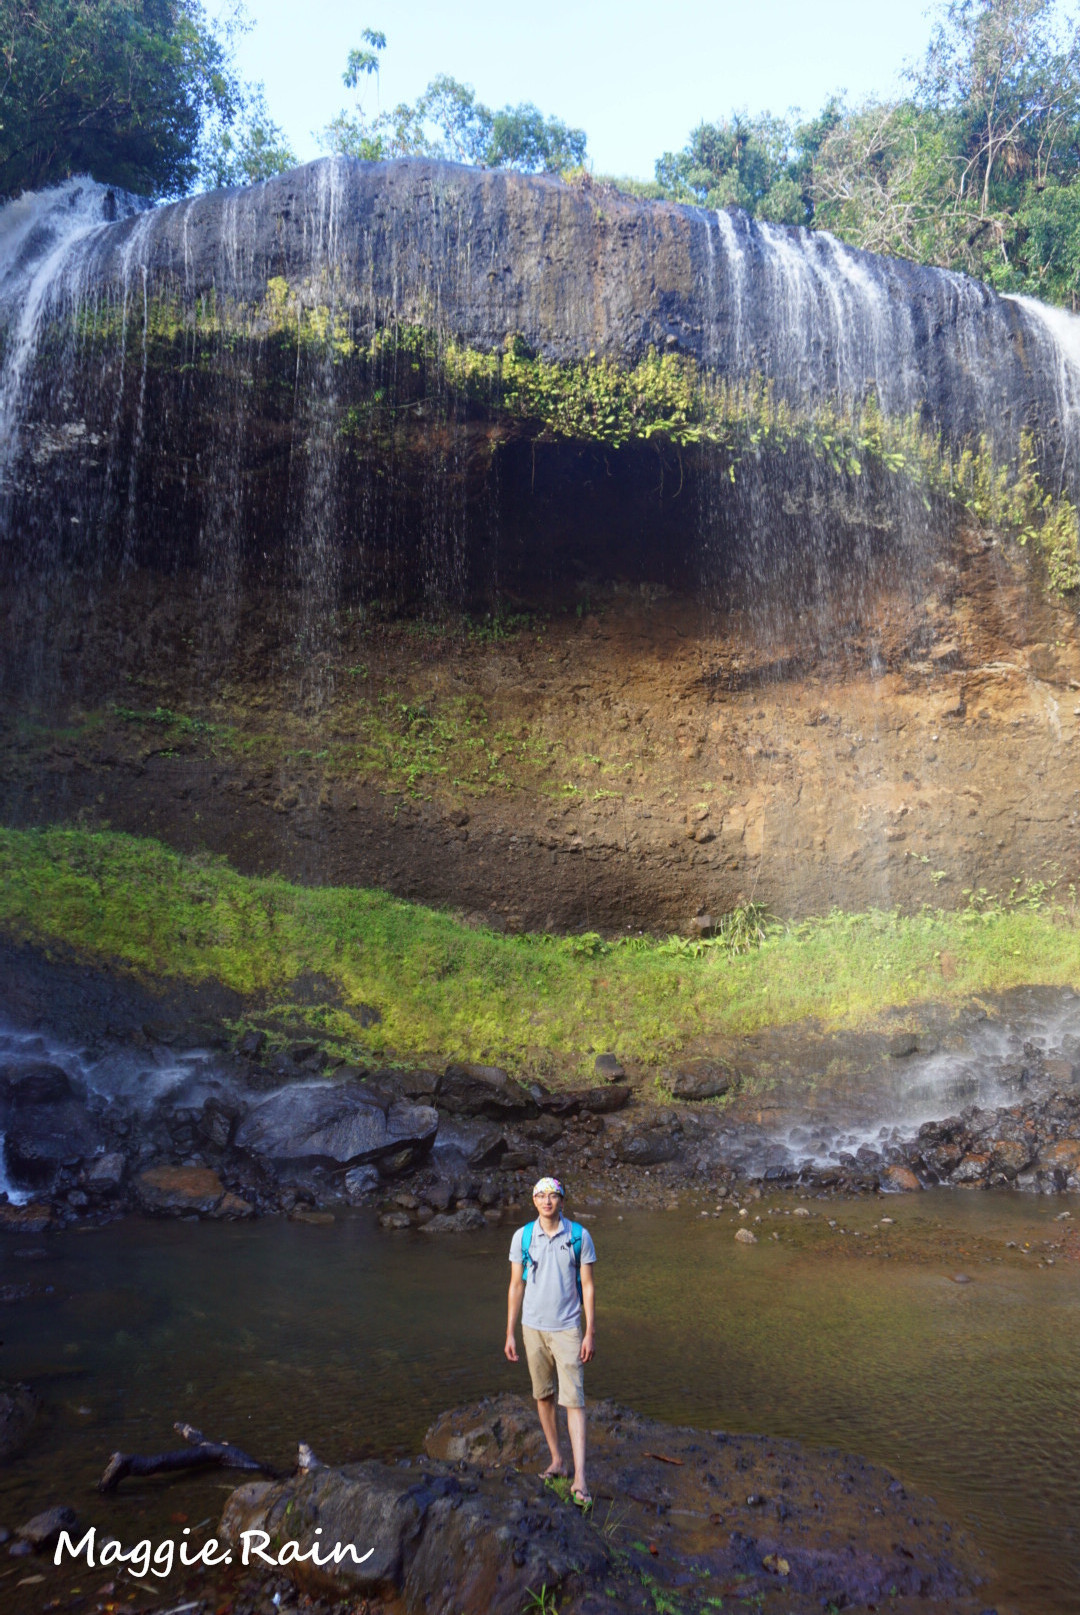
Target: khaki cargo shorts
551, 1351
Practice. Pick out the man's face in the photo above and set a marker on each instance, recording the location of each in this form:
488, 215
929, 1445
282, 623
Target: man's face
547, 1203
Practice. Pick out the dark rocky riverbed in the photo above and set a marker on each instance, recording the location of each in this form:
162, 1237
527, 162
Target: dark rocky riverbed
160, 1108
681, 1519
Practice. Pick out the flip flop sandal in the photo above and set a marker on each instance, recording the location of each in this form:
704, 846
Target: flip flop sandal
582, 1499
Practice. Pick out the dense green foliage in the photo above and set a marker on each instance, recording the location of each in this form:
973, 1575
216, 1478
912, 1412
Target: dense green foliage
763, 164
448, 121
976, 168
139, 93
446, 989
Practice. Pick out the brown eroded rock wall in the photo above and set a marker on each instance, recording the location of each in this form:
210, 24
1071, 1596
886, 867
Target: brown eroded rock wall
620, 765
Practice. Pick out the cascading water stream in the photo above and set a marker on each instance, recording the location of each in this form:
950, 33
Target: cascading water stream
359, 247
43, 236
1058, 333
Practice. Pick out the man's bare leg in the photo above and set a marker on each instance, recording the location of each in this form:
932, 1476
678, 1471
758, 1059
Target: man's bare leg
575, 1419
549, 1423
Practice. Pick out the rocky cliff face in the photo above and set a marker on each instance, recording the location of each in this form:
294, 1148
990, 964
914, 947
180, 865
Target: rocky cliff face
683, 471
577, 271
413, 379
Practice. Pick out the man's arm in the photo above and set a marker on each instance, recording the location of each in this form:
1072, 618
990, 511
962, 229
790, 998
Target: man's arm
513, 1310
588, 1303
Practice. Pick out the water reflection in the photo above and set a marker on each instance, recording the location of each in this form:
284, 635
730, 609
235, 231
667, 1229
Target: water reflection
352, 1340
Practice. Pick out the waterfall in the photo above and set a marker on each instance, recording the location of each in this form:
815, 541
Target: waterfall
825, 321
43, 235
151, 408
1058, 336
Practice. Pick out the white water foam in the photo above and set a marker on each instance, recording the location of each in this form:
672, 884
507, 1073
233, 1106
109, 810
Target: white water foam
136, 1080
1063, 351
996, 1066
43, 237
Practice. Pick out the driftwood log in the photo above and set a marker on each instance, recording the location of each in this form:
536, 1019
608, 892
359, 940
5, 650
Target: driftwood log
198, 1454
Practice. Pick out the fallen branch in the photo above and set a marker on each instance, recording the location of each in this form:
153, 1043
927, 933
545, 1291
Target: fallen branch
661, 1459
200, 1453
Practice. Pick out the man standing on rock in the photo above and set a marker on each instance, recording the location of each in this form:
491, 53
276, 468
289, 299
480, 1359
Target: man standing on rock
551, 1270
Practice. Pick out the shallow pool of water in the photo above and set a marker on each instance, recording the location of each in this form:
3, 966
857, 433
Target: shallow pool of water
353, 1340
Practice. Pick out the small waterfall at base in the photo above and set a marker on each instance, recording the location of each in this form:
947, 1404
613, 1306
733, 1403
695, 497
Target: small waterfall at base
988, 1080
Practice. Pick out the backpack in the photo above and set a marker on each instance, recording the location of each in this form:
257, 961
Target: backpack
527, 1261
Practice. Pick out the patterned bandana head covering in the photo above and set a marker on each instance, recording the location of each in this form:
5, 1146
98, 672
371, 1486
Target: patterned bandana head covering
548, 1186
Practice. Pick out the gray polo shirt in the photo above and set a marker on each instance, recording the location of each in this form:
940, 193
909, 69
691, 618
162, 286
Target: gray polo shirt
551, 1298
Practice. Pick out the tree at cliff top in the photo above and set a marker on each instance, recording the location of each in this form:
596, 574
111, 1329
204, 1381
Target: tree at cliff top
448, 121
978, 168
139, 93
760, 164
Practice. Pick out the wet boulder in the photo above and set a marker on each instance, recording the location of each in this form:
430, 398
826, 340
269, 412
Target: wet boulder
175, 1191
484, 1090
899, 1179
1064, 1074
700, 1079
647, 1148
546, 1129
104, 1174
42, 1138
942, 1159
36, 1083
972, 1169
336, 1124
216, 1121
438, 1541
1009, 1157
1062, 1161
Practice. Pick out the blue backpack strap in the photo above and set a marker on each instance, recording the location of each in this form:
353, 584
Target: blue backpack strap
575, 1241
526, 1241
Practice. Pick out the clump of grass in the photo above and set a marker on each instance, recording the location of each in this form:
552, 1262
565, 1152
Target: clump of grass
445, 989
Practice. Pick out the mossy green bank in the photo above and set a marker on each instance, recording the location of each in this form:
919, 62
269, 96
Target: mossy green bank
536, 1003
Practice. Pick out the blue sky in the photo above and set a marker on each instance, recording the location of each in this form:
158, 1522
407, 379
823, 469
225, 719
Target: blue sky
636, 77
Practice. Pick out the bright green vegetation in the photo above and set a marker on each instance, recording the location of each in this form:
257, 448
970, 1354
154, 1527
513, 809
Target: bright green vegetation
139, 93
976, 168
537, 1003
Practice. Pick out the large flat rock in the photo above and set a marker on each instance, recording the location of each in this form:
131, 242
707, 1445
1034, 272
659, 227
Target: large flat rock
339, 1124
470, 1525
